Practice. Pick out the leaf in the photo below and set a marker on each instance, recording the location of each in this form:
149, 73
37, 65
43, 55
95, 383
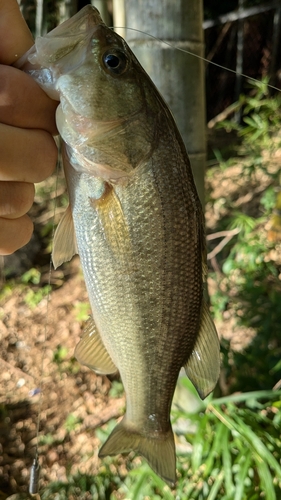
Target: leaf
220, 436
266, 478
247, 396
227, 465
276, 368
240, 477
136, 491
253, 441
197, 453
216, 486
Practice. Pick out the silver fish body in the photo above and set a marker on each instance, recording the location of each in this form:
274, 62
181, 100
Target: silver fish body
136, 222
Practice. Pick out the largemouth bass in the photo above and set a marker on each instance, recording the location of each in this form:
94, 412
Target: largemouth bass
135, 220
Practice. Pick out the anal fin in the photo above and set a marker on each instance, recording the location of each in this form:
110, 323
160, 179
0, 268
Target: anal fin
91, 352
203, 365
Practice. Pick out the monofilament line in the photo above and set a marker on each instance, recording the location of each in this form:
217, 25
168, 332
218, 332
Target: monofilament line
35, 468
173, 46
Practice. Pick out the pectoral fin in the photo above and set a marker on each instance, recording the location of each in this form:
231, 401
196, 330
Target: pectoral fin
91, 352
203, 366
113, 222
65, 245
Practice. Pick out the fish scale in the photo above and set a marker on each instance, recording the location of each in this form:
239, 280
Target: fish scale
136, 222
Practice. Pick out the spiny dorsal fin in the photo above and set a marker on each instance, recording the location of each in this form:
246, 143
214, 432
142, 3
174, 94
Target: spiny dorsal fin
91, 352
203, 366
65, 245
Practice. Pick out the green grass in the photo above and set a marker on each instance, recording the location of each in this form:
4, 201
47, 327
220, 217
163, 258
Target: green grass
235, 456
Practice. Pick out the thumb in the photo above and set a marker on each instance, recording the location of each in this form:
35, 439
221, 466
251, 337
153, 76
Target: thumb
15, 37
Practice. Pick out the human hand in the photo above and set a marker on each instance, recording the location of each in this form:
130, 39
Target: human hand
27, 122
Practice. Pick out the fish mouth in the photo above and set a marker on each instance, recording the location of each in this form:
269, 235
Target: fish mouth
62, 50
79, 25
56, 44
71, 38
66, 48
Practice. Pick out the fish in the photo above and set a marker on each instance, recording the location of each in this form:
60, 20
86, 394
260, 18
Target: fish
136, 222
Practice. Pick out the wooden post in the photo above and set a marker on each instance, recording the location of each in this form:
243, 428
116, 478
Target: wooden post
178, 76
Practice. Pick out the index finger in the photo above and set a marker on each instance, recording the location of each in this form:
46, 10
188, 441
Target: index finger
15, 37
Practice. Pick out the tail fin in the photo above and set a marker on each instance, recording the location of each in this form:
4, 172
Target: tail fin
159, 452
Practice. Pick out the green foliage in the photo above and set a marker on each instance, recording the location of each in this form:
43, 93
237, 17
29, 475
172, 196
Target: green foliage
259, 131
103, 432
31, 276
34, 296
116, 389
82, 311
60, 357
250, 286
46, 439
72, 422
60, 354
235, 455
6, 290
235, 452
84, 487
252, 289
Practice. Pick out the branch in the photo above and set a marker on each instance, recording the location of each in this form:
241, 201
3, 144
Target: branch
228, 235
240, 14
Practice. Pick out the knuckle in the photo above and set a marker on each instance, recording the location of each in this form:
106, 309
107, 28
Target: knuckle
25, 199
14, 234
16, 198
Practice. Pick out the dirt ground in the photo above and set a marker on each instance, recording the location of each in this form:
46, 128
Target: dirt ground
73, 400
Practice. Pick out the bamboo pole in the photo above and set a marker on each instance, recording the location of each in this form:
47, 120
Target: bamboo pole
276, 38
67, 9
119, 17
39, 18
178, 76
102, 7
239, 58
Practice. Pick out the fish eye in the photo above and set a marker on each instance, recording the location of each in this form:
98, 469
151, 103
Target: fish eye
115, 61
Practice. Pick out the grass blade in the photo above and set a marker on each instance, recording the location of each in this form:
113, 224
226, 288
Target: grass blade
227, 465
246, 396
216, 486
265, 478
254, 442
241, 476
215, 450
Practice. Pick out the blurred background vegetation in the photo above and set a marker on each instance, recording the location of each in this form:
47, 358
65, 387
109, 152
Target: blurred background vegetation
229, 446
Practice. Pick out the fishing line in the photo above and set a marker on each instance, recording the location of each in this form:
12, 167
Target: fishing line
35, 468
173, 46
